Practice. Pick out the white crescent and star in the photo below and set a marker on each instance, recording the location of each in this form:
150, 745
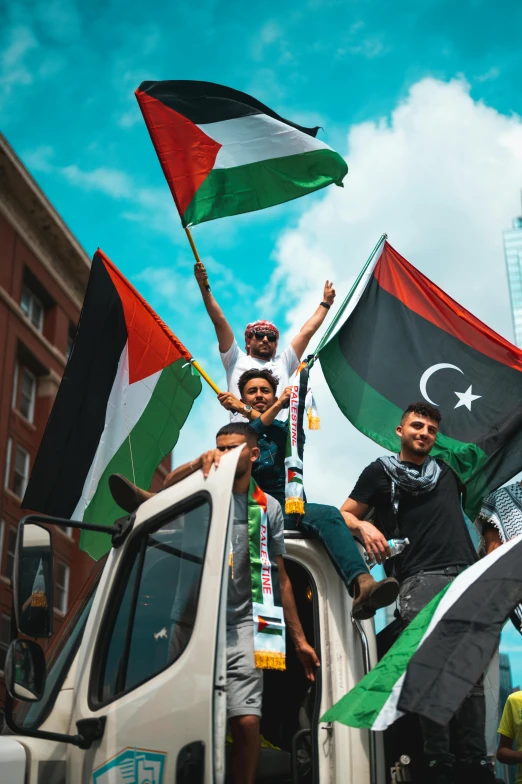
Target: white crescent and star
465, 398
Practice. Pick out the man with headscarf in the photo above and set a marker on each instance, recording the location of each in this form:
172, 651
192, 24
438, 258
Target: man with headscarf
261, 341
499, 521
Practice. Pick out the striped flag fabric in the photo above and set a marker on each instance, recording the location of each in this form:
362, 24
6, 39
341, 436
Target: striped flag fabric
443, 652
225, 153
126, 392
405, 339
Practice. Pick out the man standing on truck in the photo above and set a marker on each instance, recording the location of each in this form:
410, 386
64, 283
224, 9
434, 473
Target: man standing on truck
419, 497
261, 341
244, 678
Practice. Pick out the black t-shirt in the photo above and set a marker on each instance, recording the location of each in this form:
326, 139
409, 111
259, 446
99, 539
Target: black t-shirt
433, 521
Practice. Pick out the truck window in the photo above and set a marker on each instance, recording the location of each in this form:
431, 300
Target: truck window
151, 614
60, 654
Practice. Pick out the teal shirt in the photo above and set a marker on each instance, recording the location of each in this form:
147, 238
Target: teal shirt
269, 468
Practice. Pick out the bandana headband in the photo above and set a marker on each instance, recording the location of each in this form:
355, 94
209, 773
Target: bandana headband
262, 326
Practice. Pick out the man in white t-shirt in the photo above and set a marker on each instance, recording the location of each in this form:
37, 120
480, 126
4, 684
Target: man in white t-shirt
261, 340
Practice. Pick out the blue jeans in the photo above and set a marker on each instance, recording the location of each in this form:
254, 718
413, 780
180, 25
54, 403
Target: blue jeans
326, 523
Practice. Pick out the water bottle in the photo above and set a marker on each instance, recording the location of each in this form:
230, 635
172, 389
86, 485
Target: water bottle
396, 546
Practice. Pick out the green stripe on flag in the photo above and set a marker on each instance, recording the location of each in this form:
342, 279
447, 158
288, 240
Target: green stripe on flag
152, 438
363, 704
377, 418
256, 186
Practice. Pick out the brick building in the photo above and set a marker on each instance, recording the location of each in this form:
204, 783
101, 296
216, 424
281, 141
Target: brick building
43, 277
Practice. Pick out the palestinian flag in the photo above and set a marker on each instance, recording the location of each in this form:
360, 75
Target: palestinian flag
405, 340
435, 662
125, 395
224, 153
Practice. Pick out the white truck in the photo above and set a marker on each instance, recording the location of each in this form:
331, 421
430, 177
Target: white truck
133, 689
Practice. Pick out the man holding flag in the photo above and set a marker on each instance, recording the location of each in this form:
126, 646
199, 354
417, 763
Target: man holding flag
261, 341
416, 496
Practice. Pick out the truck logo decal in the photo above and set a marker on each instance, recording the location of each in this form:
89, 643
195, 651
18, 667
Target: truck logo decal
132, 766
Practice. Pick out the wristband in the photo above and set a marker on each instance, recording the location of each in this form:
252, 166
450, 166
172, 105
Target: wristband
325, 305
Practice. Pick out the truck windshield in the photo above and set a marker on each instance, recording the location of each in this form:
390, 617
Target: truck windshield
60, 654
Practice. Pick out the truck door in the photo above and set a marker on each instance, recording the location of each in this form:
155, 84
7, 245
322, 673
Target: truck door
154, 665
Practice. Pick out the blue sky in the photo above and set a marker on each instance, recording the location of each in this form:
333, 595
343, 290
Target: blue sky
423, 98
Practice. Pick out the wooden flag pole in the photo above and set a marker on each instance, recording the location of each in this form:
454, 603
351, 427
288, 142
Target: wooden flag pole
207, 286
195, 252
205, 376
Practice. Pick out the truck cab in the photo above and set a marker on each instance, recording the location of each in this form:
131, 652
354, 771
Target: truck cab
133, 689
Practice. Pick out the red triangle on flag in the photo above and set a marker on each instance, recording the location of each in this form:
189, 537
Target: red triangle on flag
291, 474
262, 624
151, 344
187, 155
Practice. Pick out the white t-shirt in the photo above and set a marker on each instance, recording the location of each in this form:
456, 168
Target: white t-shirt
235, 361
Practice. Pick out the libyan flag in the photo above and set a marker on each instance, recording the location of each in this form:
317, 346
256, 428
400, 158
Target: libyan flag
124, 397
443, 652
224, 153
405, 340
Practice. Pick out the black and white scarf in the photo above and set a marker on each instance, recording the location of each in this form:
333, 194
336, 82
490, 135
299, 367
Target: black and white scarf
503, 510
404, 476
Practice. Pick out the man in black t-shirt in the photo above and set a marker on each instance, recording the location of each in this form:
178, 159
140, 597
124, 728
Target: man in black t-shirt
418, 497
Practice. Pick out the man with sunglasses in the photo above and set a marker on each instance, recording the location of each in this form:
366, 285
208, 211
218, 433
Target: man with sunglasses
261, 341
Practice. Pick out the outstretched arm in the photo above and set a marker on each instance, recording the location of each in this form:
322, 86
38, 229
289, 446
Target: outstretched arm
204, 461
232, 403
223, 329
305, 652
308, 330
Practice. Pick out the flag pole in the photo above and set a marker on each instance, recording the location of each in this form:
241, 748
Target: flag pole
204, 375
348, 297
195, 252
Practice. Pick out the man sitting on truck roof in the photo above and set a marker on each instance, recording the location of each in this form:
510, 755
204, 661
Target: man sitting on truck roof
244, 678
418, 497
261, 407
261, 341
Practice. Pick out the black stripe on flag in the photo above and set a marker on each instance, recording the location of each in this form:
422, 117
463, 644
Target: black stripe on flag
451, 660
206, 102
77, 419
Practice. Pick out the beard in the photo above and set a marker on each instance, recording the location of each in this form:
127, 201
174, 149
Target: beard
417, 448
262, 352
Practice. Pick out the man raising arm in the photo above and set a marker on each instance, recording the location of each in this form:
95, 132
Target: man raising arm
261, 341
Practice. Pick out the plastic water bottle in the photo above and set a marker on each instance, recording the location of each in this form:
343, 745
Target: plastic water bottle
396, 546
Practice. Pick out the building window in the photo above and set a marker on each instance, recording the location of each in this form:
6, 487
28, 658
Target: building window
10, 555
5, 638
32, 307
21, 471
62, 587
24, 392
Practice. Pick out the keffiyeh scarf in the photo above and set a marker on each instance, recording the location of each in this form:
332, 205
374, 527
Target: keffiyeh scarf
503, 510
406, 477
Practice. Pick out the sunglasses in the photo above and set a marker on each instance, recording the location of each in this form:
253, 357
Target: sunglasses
271, 336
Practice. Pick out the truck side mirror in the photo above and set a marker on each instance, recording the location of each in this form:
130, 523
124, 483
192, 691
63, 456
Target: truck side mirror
25, 671
33, 581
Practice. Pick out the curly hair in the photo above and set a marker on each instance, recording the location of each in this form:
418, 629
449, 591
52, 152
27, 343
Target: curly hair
423, 409
248, 375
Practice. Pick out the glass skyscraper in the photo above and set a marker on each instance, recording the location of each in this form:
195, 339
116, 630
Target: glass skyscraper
513, 251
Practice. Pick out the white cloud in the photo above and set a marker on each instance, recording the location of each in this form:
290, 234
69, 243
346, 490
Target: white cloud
112, 182
14, 70
442, 176
39, 159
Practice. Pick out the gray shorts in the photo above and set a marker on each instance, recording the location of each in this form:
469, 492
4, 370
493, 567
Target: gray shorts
244, 679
